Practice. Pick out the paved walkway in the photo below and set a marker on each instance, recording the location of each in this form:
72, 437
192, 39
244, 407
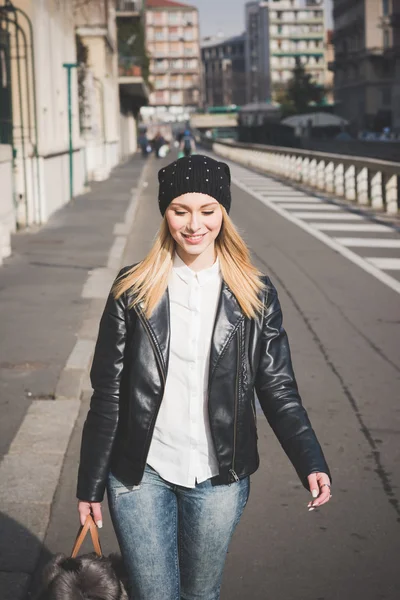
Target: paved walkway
52, 290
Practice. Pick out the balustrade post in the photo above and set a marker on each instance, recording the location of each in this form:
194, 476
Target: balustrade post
376, 190
305, 169
330, 177
313, 172
339, 179
362, 186
321, 175
392, 194
350, 182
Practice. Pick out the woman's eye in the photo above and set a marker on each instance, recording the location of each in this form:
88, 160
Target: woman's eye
208, 212
179, 212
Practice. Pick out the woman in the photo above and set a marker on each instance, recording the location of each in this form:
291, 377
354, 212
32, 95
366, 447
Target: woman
186, 338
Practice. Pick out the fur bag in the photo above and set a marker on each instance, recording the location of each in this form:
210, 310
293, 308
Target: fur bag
90, 576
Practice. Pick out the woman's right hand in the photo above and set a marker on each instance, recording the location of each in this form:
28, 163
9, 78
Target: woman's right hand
85, 508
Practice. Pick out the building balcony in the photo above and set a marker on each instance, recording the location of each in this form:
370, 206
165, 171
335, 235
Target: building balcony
312, 35
297, 53
129, 8
307, 21
130, 78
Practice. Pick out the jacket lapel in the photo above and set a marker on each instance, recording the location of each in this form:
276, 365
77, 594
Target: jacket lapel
159, 328
229, 316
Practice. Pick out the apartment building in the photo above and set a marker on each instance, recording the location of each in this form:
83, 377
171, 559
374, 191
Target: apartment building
367, 63
278, 33
224, 70
173, 44
296, 31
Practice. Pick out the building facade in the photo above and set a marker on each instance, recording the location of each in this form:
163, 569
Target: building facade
224, 71
97, 55
173, 44
257, 48
296, 31
367, 63
132, 70
279, 32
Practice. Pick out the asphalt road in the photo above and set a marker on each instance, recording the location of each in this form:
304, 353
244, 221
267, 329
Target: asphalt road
344, 328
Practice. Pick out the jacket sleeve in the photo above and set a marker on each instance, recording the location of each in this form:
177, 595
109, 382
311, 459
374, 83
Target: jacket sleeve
279, 397
101, 422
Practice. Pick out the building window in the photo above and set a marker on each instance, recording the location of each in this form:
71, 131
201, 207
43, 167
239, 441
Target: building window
386, 38
173, 18
385, 8
386, 96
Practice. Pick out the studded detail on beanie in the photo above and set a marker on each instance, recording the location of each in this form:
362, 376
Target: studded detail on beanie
194, 174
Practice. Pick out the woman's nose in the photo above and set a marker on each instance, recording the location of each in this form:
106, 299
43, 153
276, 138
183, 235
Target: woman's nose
194, 222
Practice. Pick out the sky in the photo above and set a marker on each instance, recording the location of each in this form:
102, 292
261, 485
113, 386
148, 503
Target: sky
227, 16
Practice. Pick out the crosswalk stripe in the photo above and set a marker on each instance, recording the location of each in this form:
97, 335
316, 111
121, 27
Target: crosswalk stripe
387, 264
356, 227
328, 216
368, 242
309, 206
294, 199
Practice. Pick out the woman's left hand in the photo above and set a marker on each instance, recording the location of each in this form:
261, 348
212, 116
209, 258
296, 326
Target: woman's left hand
320, 488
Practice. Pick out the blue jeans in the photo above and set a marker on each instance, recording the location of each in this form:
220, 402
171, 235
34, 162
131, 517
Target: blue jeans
174, 539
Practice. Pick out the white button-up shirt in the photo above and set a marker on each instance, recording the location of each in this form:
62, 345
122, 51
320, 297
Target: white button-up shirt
182, 450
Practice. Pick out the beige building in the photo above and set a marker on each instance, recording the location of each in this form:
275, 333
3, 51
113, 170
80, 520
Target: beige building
97, 53
296, 31
44, 121
367, 63
278, 34
172, 34
41, 114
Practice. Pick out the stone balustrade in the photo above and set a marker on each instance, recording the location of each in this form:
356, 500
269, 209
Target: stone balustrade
365, 181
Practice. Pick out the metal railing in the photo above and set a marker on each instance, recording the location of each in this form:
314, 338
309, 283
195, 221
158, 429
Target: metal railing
365, 181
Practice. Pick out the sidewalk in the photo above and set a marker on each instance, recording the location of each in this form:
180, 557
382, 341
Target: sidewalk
52, 292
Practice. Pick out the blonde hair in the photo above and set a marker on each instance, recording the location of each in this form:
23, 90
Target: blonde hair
148, 280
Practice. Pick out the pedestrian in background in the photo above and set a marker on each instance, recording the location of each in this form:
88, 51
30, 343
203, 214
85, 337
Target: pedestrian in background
186, 337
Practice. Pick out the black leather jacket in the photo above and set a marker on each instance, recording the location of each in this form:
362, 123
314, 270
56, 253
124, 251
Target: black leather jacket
128, 376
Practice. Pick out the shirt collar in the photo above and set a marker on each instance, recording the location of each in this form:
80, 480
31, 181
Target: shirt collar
187, 274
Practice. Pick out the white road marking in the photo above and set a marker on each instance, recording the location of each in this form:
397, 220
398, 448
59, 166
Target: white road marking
387, 264
368, 242
306, 206
288, 198
356, 227
347, 216
391, 282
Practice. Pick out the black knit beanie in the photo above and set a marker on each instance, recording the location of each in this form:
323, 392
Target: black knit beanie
194, 174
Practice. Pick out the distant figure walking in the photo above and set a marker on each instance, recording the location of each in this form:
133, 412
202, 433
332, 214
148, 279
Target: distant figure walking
187, 144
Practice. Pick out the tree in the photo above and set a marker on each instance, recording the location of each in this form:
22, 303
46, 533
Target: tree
301, 91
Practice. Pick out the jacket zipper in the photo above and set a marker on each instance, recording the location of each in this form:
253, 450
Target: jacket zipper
232, 470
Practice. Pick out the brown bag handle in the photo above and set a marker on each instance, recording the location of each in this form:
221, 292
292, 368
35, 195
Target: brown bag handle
82, 533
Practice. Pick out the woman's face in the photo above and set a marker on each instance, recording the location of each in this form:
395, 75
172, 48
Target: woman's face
194, 221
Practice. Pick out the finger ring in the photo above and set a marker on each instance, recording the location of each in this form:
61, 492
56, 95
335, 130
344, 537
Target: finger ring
327, 485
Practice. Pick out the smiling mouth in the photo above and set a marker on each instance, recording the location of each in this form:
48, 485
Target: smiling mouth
193, 238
